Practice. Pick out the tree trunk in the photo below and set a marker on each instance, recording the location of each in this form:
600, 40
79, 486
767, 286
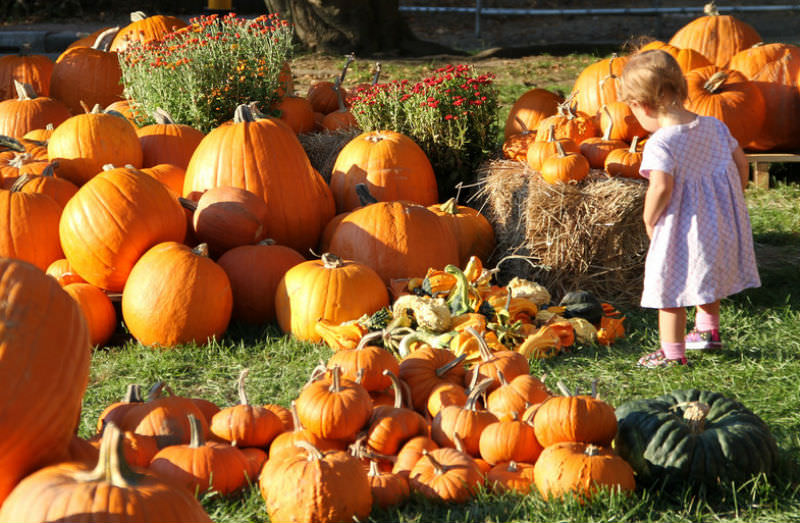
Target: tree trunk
359, 26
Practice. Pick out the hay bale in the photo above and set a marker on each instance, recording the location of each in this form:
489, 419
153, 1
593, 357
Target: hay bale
587, 236
322, 148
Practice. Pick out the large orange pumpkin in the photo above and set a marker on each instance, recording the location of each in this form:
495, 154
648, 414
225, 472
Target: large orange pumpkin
44, 354
145, 29
112, 220
473, 232
29, 227
396, 239
728, 96
227, 217
86, 142
167, 142
775, 71
596, 85
33, 69
175, 295
87, 75
687, 58
717, 37
529, 109
332, 288
263, 156
28, 111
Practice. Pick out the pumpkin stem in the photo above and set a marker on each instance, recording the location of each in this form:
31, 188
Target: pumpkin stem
609, 76
240, 386
551, 133
374, 471
455, 362
313, 452
475, 393
634, 144
331, 261
560, 149
522, 125
111, 466
20, 182
189, 205
364, 196
607, 131
367, 338
512, 466
591, 450
24, 91
155, 391
339, 97
133, 393
502, 378
437, 467
563, 388
267, 242
196, 439
695, 415
483, 347
349, 60
360, 376
11, 143
162, 117
244, 113
376, 76
138, 16
201, 250
710, 9
50, 170
295, 418
336, 385
103, 40
398, 393
716, 81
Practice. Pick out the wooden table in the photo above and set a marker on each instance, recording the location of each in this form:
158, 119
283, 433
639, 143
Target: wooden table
760, 163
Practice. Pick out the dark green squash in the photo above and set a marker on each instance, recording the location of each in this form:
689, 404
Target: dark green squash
693, 436
582, 304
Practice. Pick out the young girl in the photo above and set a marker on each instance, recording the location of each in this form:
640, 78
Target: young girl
701, 245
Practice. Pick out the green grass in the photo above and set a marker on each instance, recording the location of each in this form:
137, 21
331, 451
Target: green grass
760, 366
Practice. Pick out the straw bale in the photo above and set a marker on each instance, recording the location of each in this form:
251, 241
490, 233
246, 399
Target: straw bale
586, 236
322, 148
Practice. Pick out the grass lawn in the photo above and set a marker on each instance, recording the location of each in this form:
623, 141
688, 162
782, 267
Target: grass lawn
759, 367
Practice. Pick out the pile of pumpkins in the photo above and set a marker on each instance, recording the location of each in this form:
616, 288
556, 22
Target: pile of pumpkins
205, 226
730, 73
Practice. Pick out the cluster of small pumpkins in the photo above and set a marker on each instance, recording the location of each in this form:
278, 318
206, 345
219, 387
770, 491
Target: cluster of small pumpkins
730, 73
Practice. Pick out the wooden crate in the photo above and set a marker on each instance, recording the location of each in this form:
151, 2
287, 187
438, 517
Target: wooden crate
760, 162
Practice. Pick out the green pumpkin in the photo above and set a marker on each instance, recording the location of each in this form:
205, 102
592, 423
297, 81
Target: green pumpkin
695, 436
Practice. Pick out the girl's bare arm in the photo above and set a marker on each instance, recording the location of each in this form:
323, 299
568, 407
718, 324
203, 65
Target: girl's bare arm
741, 163
659, 193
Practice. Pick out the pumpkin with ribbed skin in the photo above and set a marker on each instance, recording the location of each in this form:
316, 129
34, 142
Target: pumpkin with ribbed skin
445, 474
581, 418
87, 75
285, 441
465, 423
596, 149
391, 426
246, 425
331, 288
625, 162
58, 189
512, 397
117, 410
145, 29
696, 436
392, 166
388, 488
542, 149
580, 469
511, 477
16, 162
176, 295
297, 112
44, 353
254, 272
168, 142
529, 109
96, 306
33, 69
686, 57
62, 271
728, 96
620, 122
596, 85
227, 217
29, 111
568, 123
410, 453
263, 156
202, 465
170, 175
396, 239
511, 440
494, 362
565, 167
775, 70
112, 220
427, 367
715, 36
84, 143
473, 232
112, 491
315, 486
29, 227
372, 360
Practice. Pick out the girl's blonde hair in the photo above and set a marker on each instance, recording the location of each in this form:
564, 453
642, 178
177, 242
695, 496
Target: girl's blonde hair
653, 78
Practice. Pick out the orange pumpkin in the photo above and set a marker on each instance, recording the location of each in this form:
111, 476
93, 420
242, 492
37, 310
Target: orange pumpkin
596, 85
392, 166
687, 58
331, 288
388, 488
545, 147
29, 227
729, 97
63, 273
44, 353
285, 442
596, 149
84, 143
32, 69
446, 475
467, 422
176, 295
341, 118
58, 189
254, 272
367, 360
28, 111
263, 156
129, 212
569, 123
565, 167
529, 109
167, 142
510, 440
145, 29
426, 368
625, 162
87, 75
715, 36
98, 310
581, 418
473, 232
511, 477
297, 112
170, 175
226, 217
620, 122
